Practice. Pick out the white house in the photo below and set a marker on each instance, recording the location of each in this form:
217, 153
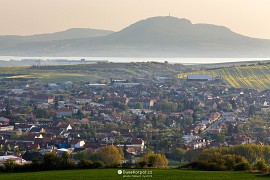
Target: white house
138, 143
75, 143
6, 128
18, 160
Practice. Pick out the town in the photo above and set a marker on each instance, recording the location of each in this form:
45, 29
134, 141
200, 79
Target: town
166, 115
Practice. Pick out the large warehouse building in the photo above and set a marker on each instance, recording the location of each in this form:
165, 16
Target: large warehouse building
199, 77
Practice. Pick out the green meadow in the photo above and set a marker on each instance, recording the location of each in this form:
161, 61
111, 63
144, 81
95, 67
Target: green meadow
155, 173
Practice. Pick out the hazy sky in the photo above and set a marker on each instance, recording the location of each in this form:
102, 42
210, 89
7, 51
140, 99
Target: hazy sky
24, 17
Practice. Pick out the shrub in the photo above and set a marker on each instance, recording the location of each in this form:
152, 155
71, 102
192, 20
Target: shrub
218, 162
204, 165
153, 160
84, 164
9, 165
98, 164
242, 166
261, 165
142, 164
127, 165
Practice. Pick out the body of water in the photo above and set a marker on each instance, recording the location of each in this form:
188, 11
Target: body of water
173, 60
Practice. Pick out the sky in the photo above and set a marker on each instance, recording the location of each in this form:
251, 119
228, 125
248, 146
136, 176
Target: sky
26, 17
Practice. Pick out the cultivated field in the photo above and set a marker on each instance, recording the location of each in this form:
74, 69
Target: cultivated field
255, 76
251, 76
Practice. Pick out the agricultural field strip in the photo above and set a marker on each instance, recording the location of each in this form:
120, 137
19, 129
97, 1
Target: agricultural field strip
256, 77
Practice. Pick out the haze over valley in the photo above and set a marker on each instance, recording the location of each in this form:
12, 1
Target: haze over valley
153, 37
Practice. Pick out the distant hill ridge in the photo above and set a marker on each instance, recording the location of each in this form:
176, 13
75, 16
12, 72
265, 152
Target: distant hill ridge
157, 36
73, 33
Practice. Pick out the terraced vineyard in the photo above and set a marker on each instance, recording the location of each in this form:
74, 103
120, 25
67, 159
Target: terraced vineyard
256, 77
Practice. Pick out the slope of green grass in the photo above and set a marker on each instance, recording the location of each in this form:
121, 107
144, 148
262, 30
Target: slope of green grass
112, 174
13, 69
57, 76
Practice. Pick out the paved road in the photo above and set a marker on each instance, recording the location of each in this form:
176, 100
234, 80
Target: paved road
218, 123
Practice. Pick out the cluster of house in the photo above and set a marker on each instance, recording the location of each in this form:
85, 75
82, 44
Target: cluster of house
62, 137
44, 117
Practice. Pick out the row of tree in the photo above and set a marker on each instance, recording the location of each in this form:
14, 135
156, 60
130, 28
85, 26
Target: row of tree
238, 158
251, 152
50, 161
219, 162
108, 156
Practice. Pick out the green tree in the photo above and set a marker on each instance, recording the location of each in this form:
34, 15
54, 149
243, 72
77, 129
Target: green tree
81, 155
27, 110
120, 152
167, 106
261, 165
51, 161
218, 137
138, 106
80, 114
178, 154
30, 155
44, 113
84, 164
251, 110
35, 165
65, 160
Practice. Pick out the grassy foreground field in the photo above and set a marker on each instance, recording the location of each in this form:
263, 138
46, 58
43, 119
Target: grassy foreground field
113, 174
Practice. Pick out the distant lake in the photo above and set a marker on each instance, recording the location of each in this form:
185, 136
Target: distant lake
173, 60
